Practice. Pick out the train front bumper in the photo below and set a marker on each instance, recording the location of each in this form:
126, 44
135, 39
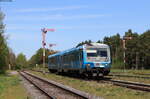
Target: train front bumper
103, 68
98, 65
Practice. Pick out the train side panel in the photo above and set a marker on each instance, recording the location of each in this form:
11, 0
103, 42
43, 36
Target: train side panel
72, 61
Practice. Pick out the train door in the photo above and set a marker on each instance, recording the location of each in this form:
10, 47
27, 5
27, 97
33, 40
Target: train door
59, 62
80, 59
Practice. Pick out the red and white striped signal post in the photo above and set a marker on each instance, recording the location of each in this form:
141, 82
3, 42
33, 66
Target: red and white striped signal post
44, 31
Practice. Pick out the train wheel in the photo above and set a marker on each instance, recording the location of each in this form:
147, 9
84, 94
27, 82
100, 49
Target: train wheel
50, 70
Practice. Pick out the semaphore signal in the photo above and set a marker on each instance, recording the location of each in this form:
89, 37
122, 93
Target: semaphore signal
44, 31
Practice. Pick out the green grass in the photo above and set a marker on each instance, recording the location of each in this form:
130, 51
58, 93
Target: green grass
140, 80
41, 69
131, 72
10, 87
108, 91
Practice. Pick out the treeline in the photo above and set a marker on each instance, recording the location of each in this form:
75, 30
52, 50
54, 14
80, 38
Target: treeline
4, 49
20, 61
137, 50
8, 59
37, 58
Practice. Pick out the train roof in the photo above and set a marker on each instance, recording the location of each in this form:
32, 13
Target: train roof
98, 45
67, 51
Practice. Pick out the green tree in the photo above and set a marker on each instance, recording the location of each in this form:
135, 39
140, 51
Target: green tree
144, 50
85, 42
132, 50
12, 59
115, 43
137, 52
4, 50
21, 61
37, 58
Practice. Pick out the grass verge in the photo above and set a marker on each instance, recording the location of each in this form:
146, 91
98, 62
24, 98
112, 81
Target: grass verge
10, 87
130, 71
134, 79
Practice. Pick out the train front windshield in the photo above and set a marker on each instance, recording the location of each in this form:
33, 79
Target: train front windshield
97, 54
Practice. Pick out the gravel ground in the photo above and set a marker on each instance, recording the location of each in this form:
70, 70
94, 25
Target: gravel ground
33, 92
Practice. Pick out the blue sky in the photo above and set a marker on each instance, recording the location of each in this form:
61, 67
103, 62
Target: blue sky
74, 21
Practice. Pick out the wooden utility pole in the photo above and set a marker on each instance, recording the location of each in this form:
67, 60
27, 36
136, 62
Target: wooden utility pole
137, 59
125, 38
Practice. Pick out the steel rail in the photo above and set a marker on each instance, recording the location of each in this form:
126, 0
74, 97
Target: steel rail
46, 93
143, 73
129, 84
128, 76
132, 73
66, 88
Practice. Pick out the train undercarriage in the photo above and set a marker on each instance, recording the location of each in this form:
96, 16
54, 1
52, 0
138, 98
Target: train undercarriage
94, 72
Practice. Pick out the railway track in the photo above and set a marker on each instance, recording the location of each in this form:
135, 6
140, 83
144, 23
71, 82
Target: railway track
129, 84
122, 83
146, 74
119, 75
55, 90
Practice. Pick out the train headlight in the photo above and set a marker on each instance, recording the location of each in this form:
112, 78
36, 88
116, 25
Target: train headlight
87, 65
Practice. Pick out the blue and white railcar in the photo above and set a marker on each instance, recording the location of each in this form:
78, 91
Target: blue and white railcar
93, 59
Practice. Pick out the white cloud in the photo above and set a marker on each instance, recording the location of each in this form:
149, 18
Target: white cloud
54, 17
84, 16
20, 27
50, 9
33, 27
36, 27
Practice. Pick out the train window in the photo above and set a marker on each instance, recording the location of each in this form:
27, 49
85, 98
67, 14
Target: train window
81, 56
103, 53
52, 61
73, 56
64, 57
76, 56
67, 59
92, 54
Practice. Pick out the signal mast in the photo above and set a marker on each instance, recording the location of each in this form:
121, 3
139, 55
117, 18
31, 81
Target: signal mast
44, 31
125, 38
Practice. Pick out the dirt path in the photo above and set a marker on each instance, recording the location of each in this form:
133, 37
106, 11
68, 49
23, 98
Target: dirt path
13, 73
